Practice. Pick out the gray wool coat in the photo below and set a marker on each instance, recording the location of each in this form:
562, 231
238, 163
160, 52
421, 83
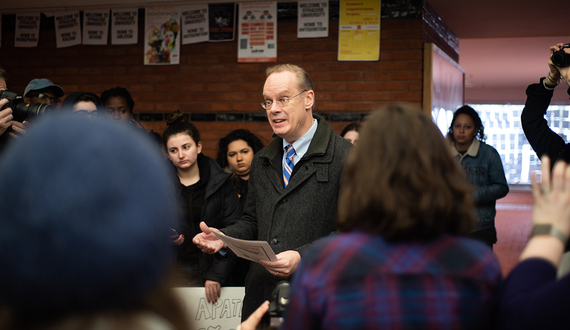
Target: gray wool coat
290, 218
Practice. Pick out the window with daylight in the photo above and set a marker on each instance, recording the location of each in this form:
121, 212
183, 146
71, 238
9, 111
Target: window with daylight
504, 132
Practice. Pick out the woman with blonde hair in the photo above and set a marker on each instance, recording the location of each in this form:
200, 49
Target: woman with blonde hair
402, 260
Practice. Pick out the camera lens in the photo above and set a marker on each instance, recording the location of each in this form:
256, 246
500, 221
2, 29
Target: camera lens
560, 58
23, 111
39, 109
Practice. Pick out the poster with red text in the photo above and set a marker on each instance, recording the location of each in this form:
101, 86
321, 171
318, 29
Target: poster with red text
257, 32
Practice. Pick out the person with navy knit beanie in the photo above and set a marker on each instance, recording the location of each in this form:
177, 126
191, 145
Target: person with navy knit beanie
88, 209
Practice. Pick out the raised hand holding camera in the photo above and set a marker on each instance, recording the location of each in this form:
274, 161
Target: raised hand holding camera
559, 63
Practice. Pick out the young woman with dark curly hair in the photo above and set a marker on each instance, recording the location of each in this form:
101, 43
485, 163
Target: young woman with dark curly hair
235, 153
483, 167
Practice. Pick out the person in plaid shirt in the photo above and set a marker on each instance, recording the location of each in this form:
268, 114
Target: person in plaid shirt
402, 260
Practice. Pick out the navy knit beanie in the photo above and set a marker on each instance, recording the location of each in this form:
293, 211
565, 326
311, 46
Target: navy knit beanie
86, 207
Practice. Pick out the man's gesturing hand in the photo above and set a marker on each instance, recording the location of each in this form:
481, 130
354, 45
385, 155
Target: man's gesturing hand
207, 241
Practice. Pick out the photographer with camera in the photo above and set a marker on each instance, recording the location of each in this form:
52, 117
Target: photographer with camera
40, 96
6, 117
43, 91
542, 139
3, 79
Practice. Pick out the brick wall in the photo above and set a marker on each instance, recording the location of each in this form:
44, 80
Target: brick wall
210, 81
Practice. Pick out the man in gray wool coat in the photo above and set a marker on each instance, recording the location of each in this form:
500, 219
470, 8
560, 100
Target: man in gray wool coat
293, 185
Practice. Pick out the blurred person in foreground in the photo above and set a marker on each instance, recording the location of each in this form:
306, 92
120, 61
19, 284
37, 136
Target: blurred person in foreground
401, 261
532, 297
85, 240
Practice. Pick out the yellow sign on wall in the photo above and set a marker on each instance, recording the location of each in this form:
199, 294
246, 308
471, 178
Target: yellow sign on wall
359, 30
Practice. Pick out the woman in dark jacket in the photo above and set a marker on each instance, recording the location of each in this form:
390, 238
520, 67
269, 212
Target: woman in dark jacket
208, 195
235, 153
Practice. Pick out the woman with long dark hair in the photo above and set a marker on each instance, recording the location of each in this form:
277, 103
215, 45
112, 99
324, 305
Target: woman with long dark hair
206, 194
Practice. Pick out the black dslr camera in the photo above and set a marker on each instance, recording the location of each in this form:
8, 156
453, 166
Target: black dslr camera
278, 304
560, 58
20, 109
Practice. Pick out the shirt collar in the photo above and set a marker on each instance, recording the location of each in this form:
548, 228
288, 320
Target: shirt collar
302, 144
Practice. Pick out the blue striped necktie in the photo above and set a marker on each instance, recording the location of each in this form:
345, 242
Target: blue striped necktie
289, 164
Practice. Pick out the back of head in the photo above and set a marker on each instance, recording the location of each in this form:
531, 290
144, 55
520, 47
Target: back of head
87, 207
401, 181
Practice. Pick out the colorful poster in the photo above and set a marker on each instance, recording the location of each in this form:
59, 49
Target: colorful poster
95, 27
222, 21
27, 30
313, 18
257, 32
225, 314
125, 26
162, 36
67, 29
359, 30
195, 26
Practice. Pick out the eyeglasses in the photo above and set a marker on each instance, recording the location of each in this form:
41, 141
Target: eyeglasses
54, 100
280, 102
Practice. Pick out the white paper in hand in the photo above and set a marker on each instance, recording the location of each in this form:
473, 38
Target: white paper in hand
250, 250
